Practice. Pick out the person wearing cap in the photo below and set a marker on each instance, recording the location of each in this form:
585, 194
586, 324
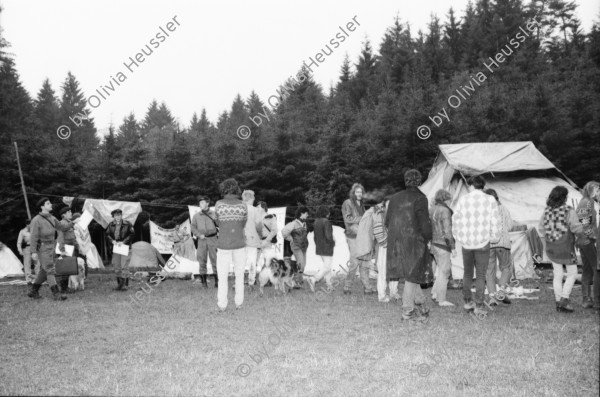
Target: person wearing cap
252, 234
43, 243
66, 237
409, 232
24, 248
204, 228
120, 232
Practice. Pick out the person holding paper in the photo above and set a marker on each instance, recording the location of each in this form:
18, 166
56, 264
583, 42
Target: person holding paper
120, 233
66, 237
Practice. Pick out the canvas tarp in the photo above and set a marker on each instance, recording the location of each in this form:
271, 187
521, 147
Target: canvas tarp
523, 193
101, 209
10, 265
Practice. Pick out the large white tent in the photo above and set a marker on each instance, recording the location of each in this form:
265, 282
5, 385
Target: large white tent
521, 175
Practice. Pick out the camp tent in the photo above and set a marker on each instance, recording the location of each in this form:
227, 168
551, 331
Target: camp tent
519, 173
10, 265
144, 257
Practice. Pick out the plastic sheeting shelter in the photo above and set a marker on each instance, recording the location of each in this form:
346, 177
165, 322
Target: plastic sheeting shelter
521, 175
10, 265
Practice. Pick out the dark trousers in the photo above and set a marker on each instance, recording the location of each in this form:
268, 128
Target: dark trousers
588, 257
478, 260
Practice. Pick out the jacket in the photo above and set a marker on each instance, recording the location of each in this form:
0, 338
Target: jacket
587, 217
232, 215
323, 237
441, 225
296, 233
269, 230
43, 231
365, 241
253, 229
352, 212
476, 220
126, 234
67, 236
409, 231
204, 223
557, 228
506, 224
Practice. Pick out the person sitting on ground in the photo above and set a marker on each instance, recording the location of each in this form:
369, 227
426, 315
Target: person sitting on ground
558, 226
442, 245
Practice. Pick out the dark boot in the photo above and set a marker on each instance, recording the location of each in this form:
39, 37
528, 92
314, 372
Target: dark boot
587, 302
203, 280
119, 287
565, 306
125, 283
56, 295
216, 280
34, 291
64, 285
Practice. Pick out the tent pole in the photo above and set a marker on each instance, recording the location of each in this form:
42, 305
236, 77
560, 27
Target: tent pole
22, 181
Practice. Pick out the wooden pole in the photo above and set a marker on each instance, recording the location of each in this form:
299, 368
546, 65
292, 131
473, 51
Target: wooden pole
22, 182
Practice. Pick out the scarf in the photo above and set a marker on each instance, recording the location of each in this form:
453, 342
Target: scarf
555, 222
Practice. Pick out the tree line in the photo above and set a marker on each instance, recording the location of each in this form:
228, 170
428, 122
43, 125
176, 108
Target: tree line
317, 141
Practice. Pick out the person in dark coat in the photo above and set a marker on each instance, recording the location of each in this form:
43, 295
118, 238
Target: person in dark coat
324, 244
409, 232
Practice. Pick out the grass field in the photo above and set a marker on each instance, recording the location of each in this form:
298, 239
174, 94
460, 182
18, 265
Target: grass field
174, 342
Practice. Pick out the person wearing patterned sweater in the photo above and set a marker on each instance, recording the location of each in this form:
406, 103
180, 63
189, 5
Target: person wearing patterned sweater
587, 242
231, 216
558, 226
501, 251
475, 224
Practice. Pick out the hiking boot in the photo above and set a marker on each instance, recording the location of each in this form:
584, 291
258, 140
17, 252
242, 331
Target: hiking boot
413, 316
34, 291
422, 309
119, 286
124, 283
588, 303
564, 306
56, 295
469, 306
216, 280
203, 281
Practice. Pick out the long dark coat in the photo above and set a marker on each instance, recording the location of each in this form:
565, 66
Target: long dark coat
409, 231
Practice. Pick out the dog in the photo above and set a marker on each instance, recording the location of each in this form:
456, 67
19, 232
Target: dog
280, 273
77, 283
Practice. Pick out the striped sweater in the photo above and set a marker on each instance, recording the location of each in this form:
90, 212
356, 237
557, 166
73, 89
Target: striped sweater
476, 220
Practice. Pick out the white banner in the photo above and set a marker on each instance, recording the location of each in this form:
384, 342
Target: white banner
164, 239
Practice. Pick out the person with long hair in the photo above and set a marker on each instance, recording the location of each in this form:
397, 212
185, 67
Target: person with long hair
559, 225
352, 211
501, 252
442, 245
587, 242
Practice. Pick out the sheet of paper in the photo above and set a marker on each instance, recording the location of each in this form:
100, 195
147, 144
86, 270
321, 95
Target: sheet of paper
85, 219
68, 248
122, 249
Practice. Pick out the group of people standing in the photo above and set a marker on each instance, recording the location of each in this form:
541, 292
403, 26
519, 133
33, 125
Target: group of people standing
398, 236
